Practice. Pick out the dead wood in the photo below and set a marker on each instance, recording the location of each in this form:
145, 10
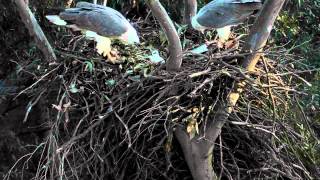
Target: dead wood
35, 30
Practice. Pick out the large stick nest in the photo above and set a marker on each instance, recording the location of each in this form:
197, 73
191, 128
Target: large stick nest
116, 121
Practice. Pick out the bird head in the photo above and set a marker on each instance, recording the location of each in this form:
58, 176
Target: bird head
130, 36
195, 25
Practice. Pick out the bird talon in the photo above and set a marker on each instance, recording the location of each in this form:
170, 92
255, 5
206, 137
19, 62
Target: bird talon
113, 57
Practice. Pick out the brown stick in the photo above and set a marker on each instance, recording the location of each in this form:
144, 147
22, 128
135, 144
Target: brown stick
198, 152
175, 59
35, 30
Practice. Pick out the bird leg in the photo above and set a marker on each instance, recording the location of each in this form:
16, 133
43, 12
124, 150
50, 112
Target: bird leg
223, 34
103, 45
104, 48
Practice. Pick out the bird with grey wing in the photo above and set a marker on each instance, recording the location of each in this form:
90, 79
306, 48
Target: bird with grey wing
99, 23
223, 14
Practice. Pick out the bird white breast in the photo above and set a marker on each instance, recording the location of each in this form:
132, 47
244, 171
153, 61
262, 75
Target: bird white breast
130, 36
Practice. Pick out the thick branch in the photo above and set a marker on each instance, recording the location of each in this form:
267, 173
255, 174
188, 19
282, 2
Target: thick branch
190, 10
199, 150
175, 59
198, 155
260, 32
35, 30
257, 39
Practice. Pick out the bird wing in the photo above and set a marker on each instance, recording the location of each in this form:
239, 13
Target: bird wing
218, 14
103, 20
245, 1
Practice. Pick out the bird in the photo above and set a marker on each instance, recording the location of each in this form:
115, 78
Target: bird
99, 23
223, 14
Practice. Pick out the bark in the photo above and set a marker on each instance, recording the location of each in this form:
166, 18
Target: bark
198, 152
175, 59
260, 32
190, 10
35, 30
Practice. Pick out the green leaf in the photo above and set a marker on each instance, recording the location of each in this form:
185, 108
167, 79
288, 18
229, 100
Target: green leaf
201, 49
181, 28
139, 66
155, 56
129, 71
110, 82
135, 78
73, 88
89, 65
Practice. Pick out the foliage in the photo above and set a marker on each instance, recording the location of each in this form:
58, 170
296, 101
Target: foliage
299, 25
298, 28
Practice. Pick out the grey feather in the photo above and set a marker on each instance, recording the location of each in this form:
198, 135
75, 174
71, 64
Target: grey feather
221, 13
103, 20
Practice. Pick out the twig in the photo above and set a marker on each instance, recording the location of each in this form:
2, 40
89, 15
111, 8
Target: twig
41, 78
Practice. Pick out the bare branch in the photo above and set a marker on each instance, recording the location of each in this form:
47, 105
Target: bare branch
190, 10
35, 30
257, 39
260, 32
199, 149
175, 59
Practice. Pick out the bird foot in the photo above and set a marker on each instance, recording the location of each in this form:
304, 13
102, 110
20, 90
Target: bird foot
113, 57
220, 44
232, 44
104, 48
229, 44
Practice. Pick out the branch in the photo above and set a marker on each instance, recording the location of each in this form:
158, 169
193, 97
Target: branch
35, 30
260, 32
258, 37
190, 10
198, 151
175, 59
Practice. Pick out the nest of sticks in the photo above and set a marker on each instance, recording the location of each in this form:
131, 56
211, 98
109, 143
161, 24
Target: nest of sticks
116, 121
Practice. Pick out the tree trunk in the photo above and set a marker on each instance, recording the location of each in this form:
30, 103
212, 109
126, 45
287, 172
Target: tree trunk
198, 151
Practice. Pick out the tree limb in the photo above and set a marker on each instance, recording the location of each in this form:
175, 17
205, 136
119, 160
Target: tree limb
260, 32
175, 59
190, 10
199, 150
35, 30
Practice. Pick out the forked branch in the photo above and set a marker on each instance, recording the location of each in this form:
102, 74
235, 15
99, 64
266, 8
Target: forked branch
174, 61
198, 151
190, 10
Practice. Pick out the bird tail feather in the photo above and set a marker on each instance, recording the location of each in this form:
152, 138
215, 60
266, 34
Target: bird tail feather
55, 19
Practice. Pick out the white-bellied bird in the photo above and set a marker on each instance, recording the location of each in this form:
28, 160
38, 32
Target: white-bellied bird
222, 14
99, 23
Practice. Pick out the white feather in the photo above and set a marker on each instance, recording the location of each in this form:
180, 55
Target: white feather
91, 35
224, 33
56, 20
